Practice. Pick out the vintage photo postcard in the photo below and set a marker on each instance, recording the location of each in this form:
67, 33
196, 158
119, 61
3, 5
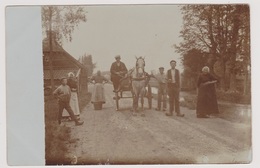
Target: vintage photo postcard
147, 84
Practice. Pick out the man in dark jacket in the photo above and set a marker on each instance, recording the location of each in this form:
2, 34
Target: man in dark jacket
173, 77
118, 71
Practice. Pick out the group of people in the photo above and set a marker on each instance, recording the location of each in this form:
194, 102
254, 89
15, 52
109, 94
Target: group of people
169, 84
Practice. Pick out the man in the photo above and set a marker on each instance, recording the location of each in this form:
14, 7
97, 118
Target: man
63, 94
173, 76
118, 71
162, 89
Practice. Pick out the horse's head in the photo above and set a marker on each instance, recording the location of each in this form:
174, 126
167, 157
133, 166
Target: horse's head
140, 64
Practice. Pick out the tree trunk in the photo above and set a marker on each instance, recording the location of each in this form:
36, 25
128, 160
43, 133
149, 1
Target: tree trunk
232, 82
51, 54
233, 48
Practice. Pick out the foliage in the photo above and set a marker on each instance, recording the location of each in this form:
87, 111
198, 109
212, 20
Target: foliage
57, 137
62, 20
88, 62
193, 61
222, 31
84, 99
234, 97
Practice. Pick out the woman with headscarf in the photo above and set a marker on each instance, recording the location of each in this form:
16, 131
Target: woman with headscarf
98, 94
207, 99
74, 103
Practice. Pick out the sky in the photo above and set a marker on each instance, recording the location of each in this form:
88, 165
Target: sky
130, 31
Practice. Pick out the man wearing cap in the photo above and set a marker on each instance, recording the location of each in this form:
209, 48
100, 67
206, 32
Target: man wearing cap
173, 76
118, 71
63, 94
162, 89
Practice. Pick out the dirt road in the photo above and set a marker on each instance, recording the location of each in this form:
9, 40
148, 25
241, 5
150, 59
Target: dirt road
117, 137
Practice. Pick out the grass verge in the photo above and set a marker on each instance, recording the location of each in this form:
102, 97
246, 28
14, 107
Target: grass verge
57, 136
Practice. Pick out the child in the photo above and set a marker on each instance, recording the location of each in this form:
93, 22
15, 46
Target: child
63, 94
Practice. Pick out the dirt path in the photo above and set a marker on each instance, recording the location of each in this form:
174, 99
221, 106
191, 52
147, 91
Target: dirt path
117, 137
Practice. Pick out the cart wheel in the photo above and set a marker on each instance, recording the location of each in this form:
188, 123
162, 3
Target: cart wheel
149, 96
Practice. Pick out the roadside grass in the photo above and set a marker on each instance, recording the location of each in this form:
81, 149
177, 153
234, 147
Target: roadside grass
57, 136
233, 106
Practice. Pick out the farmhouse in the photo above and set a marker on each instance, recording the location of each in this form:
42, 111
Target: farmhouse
62, 63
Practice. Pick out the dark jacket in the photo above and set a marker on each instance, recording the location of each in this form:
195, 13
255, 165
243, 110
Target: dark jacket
72, 84
177, 77
114, 68
207, 98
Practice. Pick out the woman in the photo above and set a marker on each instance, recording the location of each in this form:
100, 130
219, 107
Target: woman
98, 95
74, 104
207, 100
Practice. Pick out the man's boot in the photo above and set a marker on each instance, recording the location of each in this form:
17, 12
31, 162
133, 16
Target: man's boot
77, 123
180, 115
169, 114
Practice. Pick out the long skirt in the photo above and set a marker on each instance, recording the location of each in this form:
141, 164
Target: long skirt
207, 101
98, 94
74, 104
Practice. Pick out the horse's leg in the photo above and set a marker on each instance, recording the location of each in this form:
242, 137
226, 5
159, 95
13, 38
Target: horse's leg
142, 102
133, 96
135, 101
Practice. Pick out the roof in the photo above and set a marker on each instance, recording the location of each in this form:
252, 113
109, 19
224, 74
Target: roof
61, 59
58, 74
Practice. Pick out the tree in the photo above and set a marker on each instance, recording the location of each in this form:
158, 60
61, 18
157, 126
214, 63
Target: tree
222, 31
193, 61
59, 22
88, 62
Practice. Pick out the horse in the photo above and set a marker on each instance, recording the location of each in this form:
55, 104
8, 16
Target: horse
139, 80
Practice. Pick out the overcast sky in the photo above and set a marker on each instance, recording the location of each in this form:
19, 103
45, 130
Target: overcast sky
130, 30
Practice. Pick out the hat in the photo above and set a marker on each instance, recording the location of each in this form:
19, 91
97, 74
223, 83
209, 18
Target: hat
173, 61
117, 56
71, 74
161, 68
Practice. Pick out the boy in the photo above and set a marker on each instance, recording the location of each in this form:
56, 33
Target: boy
63, 94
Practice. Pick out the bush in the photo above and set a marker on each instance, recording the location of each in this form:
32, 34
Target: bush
233, 97
189, 101
56, 136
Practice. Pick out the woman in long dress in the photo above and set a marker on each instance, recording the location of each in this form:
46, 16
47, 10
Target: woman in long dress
207, 99
98, 94
74, 103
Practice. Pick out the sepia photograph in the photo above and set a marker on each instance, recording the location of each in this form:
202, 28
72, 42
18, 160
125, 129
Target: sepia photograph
147, 84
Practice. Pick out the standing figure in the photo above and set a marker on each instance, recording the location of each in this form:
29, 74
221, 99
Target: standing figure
98, 94
207, 99
162, 89
74, 103
118, 71
63, 93
173, 76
